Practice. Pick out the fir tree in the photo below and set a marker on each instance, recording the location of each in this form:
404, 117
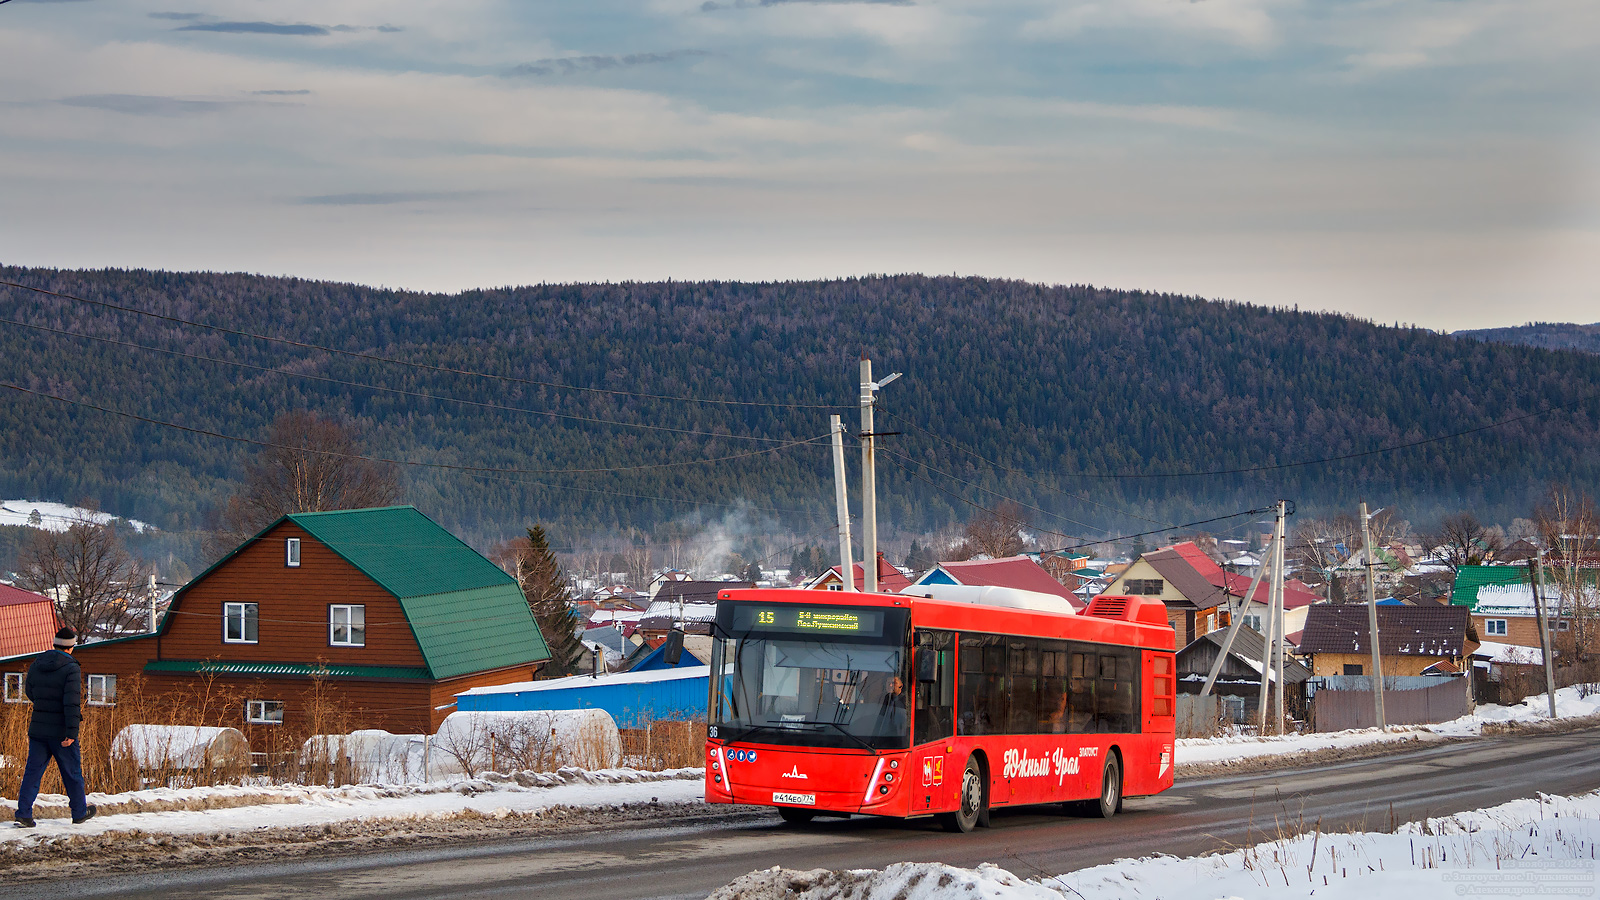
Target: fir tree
545, 587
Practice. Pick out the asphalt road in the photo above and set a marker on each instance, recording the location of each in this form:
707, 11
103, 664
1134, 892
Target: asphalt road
1193, 817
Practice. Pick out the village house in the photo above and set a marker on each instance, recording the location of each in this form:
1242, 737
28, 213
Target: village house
27, 626
1239, 680
1413, 640
379, 615
890, 579
1019, 572
688, 606
1197, 592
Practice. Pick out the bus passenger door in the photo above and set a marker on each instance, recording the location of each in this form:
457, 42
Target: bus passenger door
934, 720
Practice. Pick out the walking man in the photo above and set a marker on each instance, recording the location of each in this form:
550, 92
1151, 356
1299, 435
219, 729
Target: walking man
55, 687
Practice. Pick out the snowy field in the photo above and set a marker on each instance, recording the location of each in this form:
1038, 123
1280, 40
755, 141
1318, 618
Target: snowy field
54, 516
1535, 709
1539, 847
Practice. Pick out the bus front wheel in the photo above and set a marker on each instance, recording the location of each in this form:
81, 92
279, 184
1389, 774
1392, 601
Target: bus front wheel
1111, 787
972, 807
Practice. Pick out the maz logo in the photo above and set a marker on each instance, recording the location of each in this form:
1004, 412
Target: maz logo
795, 773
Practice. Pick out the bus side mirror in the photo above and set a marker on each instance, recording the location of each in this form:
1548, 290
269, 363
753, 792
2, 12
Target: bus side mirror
927, 665
673, 648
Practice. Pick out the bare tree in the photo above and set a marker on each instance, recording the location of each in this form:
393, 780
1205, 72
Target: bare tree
1461, 540
311, 464
997, 531
97, 585
1322, 546
1569, 527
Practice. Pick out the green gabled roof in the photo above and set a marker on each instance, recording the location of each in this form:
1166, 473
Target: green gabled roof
467, 614
217, 667
1470, 578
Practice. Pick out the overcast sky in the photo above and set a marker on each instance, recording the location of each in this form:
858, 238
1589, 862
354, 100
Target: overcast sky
1429, 162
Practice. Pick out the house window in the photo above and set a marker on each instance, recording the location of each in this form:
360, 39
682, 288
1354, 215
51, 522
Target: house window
835, 587
1352, 668
239, 623
263, 712
1144, 587
102, 690
14, 692
347, 626
291, 552
1494, 626
1563, 625
1253, 622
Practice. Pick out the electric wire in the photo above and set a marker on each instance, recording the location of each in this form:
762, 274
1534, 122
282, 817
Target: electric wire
372, 357
400, 462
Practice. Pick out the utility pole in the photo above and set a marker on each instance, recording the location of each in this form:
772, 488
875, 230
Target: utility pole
1544, 632
1277, 614
842, 500
869, 478
1237, 622
1372, 617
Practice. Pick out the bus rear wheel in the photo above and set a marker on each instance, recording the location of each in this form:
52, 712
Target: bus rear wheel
1111, 788
972, 809
793, 816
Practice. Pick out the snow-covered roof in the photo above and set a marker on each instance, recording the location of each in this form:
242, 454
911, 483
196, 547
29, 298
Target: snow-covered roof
576, 681
1496, 652
681, 612
1513, 600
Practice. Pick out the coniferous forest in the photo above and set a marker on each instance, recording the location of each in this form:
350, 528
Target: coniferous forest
1092, 407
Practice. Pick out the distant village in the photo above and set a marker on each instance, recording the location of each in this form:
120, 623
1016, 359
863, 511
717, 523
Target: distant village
379, 618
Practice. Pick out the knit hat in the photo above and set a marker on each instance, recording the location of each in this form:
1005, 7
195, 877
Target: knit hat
66, 638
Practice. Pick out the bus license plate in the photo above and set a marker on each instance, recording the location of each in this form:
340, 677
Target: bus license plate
797, 799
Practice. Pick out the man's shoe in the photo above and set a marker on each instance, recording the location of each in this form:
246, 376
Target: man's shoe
23, 823
87, 815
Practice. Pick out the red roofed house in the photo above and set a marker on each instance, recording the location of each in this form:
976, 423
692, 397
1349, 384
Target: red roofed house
1196, 591
890, 579
27, 626
1019, 572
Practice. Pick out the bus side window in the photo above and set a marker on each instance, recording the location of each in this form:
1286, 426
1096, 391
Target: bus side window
1082, 685
982, 698
936, 699
1116, 705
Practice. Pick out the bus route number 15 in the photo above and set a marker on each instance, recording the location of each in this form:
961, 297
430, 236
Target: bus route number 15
765, 617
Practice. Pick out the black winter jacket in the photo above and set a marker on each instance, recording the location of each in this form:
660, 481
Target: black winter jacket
55, 685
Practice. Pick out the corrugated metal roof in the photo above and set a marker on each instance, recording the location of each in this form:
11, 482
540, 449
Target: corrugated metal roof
1469, 578
1019, 572
218, 667
1430, 630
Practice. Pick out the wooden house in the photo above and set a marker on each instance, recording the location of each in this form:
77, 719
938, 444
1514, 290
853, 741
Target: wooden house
378, 617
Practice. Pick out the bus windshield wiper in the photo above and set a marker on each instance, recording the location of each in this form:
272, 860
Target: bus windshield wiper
842, 730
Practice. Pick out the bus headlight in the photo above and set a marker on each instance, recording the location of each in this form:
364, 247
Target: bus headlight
883, 789
888, 776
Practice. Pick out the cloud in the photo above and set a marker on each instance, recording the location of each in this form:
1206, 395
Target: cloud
386, 198
177, 16
571, 65
281, 93
145, 105
257, 28
713, 5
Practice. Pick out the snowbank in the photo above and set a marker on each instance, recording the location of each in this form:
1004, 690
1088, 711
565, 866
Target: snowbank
181, 746
1538, 847
55, 516
473, 742
1569, 704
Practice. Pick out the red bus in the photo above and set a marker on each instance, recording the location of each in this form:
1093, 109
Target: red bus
835, 703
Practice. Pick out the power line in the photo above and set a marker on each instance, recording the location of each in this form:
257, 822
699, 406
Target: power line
389, 390
398, 462
914, 426
1124, 537
372, 357
929, 482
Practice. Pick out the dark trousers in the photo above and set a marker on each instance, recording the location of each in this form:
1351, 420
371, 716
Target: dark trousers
69, 762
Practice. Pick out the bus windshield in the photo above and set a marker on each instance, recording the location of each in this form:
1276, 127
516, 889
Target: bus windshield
811, 675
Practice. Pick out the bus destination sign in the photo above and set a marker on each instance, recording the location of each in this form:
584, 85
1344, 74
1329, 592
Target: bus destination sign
809, 619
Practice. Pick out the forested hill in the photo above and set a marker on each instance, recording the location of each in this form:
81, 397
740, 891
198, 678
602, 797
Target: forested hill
1549, 335
1075, 392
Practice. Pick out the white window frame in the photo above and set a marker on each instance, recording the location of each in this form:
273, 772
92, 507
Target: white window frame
291, 553
1489, 627
261, 712
1252, 621
351, 613
1563, 625
836, 587
107, 690
244, 618
14, 692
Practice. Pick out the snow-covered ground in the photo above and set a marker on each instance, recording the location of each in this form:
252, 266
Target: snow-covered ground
1535, 709
216, 810
1539, 847
55, 516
